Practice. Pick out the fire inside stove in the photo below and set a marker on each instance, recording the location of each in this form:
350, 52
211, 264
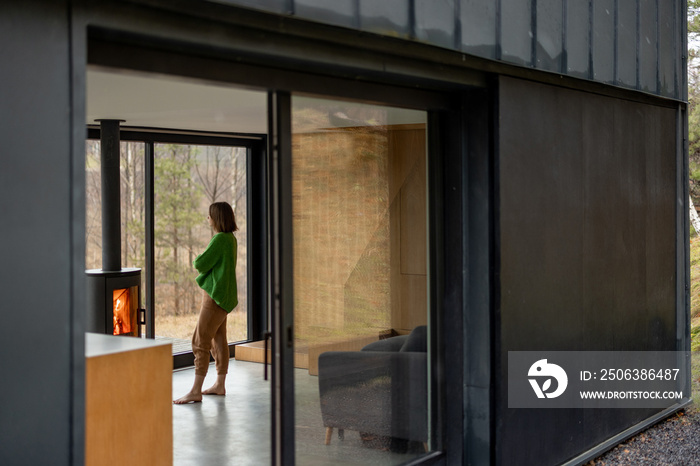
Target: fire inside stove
125, 311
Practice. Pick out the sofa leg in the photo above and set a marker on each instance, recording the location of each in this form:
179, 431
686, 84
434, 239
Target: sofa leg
341, 434
425, 446
329, 434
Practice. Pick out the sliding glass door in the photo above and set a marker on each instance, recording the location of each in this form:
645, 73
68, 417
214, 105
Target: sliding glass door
353, 199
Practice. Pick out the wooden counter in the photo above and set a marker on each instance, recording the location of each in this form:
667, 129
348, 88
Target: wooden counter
128, 401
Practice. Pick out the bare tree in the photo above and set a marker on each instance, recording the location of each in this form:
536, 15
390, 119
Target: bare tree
178, 211
214, 172
93, 202
132, 202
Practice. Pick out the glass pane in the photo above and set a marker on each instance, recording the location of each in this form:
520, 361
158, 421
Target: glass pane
188, 179
360, 282
125, 311
132, 194
93, 206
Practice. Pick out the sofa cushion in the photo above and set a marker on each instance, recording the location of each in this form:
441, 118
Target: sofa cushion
417, 340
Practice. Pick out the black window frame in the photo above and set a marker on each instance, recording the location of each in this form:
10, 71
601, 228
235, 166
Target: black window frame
256, 153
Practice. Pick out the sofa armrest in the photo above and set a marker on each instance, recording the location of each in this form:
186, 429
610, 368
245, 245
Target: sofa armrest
388, 344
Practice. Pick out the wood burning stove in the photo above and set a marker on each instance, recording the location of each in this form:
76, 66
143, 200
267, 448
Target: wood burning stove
114, 300
114, 293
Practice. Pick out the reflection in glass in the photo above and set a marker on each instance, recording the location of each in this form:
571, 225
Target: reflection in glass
667, 53
648, 46
390, 17
435, 22
578, 45
603, 36
478, 19
275, 6
338, 12
516, 32
549, 35
627, 43
360, 282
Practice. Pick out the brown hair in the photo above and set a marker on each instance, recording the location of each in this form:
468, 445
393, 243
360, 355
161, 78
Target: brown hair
223, 218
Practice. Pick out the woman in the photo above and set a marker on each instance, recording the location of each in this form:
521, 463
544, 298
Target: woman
217, 277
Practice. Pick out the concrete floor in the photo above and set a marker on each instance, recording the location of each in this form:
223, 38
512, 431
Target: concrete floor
235, 429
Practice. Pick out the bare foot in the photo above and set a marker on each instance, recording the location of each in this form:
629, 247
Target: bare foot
216, 389
189, 398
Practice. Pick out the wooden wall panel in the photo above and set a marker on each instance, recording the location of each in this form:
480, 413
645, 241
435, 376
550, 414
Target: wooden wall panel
359, 250
408, 186
414, 238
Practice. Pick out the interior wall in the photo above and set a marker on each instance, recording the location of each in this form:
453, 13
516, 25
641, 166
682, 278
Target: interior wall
379, 239
587, 188
41, 418
407, 188
341, 231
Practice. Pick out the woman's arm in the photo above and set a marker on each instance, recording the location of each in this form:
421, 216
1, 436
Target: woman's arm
206, 260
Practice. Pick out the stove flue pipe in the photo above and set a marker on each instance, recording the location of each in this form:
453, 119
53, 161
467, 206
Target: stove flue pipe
111, 199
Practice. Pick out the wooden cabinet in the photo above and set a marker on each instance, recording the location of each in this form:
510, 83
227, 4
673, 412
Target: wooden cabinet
128, 401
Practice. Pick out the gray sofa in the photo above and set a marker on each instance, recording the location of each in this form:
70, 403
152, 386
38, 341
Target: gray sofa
380, 390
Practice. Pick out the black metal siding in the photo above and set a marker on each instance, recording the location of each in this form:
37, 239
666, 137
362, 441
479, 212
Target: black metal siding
40, 338
636, 44
587, 248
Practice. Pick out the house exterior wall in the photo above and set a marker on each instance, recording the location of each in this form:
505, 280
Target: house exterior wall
635, 44
41, 337
41, 185
587, 190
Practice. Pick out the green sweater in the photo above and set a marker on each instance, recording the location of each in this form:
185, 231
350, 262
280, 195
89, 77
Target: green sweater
217, 270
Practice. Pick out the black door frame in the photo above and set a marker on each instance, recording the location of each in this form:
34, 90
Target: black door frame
447, 253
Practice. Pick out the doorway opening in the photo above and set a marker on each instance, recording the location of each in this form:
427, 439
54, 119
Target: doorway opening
359, 221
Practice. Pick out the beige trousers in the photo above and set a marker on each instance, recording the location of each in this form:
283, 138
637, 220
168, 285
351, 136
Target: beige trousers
210, 336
